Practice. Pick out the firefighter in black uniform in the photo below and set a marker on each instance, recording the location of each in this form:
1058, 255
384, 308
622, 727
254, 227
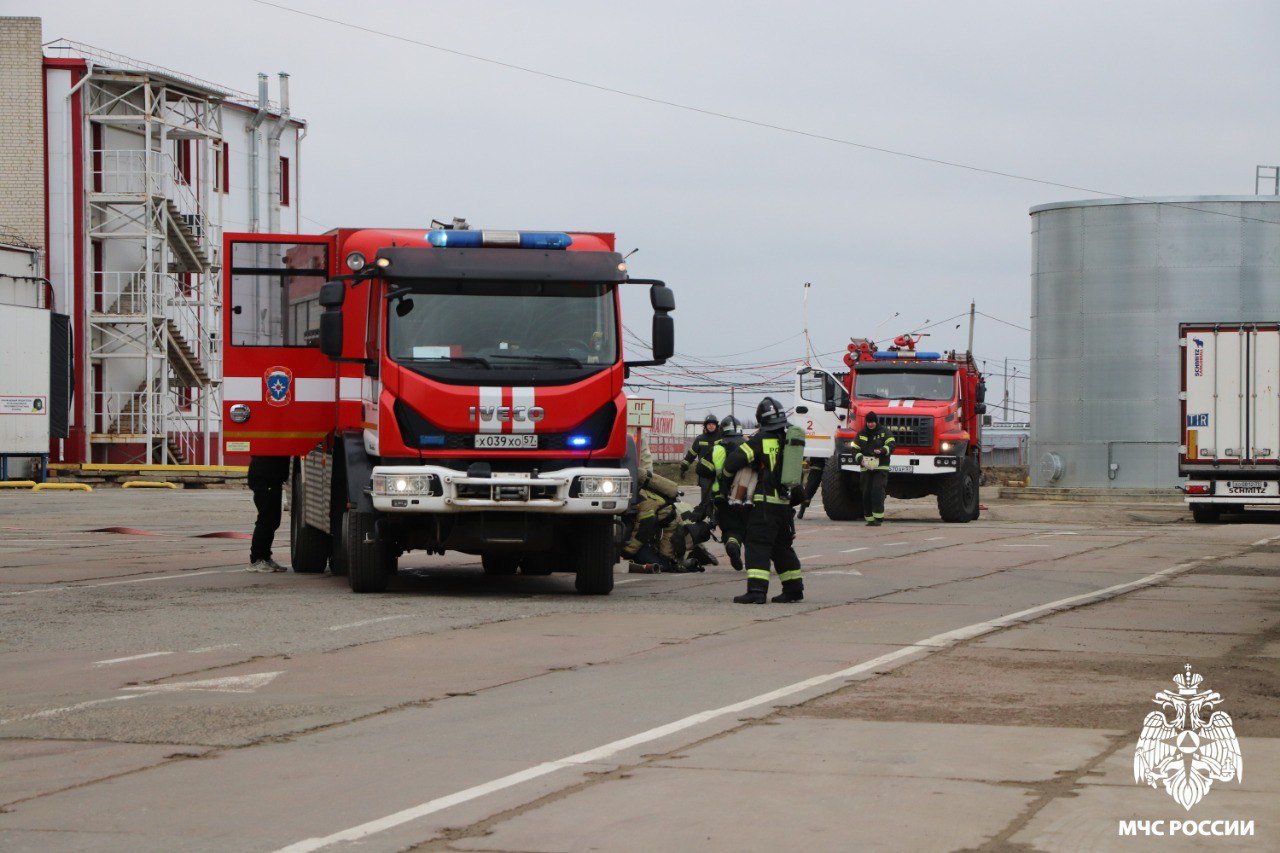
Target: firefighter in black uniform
872, 450
771, 524
699, 454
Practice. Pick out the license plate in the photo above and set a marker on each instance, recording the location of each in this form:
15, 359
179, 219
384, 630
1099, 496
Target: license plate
499, 441
1251, 488
900, 469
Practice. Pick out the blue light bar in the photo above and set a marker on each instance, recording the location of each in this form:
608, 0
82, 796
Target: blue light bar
918, 356
579, 441
450, 239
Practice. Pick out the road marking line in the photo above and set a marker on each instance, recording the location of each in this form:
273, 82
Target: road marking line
201, 651
813, 556
935, 538
609, 750
1021, 545
226, 684
1266, 541
118, 583
367, 622
53, 712
851, 550
628, 580
1059, 533
131, 657
891, 544
835, 572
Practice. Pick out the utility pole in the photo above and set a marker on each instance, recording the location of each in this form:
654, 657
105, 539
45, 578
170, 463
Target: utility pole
732, 402
972, 308
1006, 389
808, 347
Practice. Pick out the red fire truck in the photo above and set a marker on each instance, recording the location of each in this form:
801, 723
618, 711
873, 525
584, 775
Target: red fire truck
440, 390
931, 402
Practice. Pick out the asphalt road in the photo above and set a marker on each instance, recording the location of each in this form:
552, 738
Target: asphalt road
941, 687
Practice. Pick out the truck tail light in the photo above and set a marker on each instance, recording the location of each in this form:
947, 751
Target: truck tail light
1198, 489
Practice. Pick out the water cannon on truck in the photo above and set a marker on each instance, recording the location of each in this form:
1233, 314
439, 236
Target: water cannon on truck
439, 390
932, 403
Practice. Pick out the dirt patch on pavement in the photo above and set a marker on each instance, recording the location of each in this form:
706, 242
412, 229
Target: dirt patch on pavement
972, 684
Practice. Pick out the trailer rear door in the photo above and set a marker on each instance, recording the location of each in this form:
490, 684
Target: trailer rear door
279, 391
1231, 399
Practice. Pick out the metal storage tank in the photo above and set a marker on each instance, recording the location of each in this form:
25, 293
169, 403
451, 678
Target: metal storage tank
1111, 280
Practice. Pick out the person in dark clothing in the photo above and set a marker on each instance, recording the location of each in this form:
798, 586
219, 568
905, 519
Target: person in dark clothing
771, 522
699, 454
730, 515
267, 476
812, 482
872, 450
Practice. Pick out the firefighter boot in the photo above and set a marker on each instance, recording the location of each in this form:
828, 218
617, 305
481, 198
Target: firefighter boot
757, 593
733, 548
791, 591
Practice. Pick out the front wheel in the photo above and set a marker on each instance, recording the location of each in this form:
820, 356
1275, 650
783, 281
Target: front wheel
958, 500
594, 555
841, 500
367, 555
308, 547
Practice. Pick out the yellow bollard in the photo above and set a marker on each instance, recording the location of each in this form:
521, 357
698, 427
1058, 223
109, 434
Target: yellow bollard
66, 487
17, 484
148, 484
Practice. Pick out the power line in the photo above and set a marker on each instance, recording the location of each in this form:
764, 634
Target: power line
1006, 322
937, 161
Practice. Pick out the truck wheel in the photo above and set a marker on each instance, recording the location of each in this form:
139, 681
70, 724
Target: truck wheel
308, 547
366, 554
840, 499
500, 564
595, 554
1206, 513
958, 498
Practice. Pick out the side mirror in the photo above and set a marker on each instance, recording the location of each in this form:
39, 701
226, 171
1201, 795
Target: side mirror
980, 408
331, 333
332, 294
662, 299
981, 395
664, 337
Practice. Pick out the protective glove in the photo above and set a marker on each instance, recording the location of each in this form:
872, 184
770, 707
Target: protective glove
684, 469
797, 495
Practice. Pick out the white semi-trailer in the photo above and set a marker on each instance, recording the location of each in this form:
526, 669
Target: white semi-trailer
1230, 449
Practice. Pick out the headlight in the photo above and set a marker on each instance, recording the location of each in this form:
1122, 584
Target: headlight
355, 261
945, 447
604, 487
396, 485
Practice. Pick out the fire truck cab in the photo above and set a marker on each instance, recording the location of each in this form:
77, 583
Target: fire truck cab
439, 390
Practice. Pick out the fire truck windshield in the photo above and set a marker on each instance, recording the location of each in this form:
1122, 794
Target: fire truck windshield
503, 324
904, 385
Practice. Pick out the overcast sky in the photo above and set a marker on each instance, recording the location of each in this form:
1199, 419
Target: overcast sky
1140, 98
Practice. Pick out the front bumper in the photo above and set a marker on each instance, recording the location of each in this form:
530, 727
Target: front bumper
454, 492
910, 464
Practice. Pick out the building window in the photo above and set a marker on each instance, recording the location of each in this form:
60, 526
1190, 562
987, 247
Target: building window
284, 181
222, 168
182, 160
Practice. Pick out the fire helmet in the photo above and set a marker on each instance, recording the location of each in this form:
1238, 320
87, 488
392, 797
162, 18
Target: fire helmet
731, 426
770, 414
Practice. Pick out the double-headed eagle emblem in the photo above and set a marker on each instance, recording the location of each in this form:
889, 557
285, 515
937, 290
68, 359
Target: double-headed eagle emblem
1181, 749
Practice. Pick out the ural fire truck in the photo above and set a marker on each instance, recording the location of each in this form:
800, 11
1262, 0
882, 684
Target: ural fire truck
1230, 448
439, 390
931, 402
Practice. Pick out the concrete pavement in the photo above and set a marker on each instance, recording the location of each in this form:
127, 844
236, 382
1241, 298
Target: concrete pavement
155, 697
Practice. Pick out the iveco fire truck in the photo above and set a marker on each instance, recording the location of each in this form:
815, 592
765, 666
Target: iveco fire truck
439, 390
1230, 448
931, 402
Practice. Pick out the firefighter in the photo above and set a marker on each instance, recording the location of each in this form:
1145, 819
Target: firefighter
699, 455
771, 522
267, 476
812, 482
871, 450
731, 515
663, 538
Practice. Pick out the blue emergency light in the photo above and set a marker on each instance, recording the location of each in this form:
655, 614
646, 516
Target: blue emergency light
918, 356
579, 441
450, 239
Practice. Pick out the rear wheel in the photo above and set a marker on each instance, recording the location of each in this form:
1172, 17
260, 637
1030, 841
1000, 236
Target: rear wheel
500, 564
1206, 513
840, 498
594, 556
367, 555
308, 547
958, 499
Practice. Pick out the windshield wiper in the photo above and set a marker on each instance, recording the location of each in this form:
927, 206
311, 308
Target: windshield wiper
470, 359
872, 397
563, 359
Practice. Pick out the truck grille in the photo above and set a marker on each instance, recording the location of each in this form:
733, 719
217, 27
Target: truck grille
909, 430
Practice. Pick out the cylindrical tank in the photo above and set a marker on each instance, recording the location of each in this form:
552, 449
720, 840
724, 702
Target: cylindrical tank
1110, 282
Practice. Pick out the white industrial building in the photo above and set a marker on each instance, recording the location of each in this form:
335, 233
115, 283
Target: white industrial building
142, 170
